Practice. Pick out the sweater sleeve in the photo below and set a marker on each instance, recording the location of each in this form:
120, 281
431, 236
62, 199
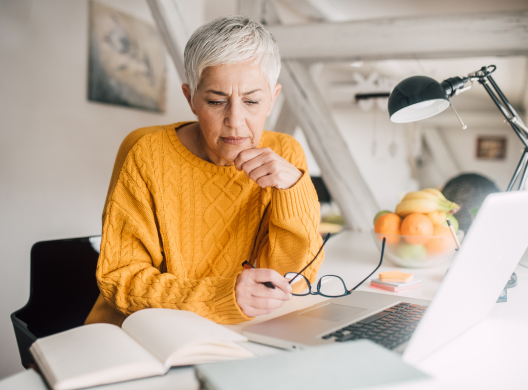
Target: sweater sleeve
289, 237
131, 269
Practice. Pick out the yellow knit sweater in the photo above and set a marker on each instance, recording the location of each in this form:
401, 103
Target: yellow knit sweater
176, 228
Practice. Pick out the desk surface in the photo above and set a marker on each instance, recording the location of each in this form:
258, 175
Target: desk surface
491, 355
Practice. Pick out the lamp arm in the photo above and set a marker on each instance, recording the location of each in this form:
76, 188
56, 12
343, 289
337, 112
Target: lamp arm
506, 101
520, 133
486, 80
483, 76
507, 114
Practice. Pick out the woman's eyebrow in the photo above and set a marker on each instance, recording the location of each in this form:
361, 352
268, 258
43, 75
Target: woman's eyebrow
216, 92
250, 92
225, 94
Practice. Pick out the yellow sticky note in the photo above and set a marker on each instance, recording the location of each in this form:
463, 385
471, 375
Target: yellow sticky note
395, 276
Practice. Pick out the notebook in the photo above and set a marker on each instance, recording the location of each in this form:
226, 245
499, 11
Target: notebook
149, 343
354, 365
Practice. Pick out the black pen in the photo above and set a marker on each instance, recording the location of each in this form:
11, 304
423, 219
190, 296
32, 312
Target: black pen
248, 265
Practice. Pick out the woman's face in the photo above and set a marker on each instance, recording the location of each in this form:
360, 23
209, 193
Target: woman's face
232, 102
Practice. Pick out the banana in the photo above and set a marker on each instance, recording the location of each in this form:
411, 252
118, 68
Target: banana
420, 195
435, 192
424, 206
431, 195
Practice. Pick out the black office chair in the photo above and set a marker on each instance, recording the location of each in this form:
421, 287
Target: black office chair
63, 290
322, 191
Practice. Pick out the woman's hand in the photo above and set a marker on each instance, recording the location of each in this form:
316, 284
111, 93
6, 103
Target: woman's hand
267, 168
255, 299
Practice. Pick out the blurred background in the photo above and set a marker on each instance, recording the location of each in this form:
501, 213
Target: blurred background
63, 118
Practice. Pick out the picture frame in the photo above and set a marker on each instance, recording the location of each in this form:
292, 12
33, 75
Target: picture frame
127, 60
491, 147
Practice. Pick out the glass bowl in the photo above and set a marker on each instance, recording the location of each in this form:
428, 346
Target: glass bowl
417, 251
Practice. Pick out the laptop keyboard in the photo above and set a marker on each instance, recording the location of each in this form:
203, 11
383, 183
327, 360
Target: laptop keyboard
389, 328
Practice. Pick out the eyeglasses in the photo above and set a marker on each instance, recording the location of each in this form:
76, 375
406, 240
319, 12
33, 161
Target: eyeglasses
329, 286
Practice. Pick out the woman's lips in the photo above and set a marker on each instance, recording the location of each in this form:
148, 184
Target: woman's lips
234, 140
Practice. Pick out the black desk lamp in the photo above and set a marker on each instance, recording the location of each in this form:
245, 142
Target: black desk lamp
421, 97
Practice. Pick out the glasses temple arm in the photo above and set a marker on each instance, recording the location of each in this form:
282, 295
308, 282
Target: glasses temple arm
310, 263
379, 265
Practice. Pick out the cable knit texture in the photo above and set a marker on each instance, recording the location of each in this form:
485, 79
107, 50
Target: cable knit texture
177, 228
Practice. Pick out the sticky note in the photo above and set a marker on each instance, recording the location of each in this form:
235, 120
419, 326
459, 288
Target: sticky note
395, 276
383, 286
396, 284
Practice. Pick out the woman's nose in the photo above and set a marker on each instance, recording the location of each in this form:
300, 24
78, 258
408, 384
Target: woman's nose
234, 116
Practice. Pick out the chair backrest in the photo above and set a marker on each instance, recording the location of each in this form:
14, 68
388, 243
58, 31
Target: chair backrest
322, 191
63, 289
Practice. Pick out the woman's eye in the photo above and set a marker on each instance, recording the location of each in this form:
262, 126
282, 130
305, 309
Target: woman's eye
215, 102
251, 102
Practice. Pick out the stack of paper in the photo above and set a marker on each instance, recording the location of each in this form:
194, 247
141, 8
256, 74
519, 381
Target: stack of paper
395, 281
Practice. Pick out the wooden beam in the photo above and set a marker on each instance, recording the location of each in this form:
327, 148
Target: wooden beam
262, 11
172, 27
270, 13
286, 122
253, 9
339, 170
307, 8
450, 36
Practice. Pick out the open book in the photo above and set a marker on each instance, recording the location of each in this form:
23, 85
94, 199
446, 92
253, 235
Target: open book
149, 343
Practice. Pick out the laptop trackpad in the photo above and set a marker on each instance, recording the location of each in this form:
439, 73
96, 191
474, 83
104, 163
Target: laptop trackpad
333, 312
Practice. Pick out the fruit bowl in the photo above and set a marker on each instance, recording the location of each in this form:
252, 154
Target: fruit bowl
418, 251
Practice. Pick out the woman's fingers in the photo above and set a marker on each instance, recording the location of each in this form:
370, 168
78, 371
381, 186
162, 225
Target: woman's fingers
247, 155
267, 168
265, 156
254, 298
261, 291
262, 275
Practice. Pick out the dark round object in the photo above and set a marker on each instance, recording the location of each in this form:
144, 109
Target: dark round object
469, 191
414, 90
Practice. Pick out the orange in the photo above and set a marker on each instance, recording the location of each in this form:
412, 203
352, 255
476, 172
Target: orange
437, 217
419, 226
389, 224
443, 243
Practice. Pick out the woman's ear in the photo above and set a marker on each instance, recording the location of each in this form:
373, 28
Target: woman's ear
276, 91
187, 93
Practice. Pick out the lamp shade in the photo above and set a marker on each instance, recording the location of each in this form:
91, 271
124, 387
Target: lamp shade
416, 98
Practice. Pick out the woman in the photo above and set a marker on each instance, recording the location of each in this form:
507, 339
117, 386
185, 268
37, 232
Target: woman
189, 202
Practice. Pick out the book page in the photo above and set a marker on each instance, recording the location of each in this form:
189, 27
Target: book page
172, 335
93, 355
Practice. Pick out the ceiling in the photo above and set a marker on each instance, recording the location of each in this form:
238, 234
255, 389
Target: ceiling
340, 82
348, 10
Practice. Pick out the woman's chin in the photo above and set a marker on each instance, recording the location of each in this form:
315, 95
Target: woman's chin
231, 152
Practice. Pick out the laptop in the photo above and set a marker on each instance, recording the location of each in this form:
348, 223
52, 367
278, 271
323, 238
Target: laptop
416, 328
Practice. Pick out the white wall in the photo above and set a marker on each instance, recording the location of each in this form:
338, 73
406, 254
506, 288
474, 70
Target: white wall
463, 143
57, 149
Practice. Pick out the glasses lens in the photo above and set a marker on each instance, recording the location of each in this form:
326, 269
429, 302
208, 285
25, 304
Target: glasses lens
299, 283
332, 286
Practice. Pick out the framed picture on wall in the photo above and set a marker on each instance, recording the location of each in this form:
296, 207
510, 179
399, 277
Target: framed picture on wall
491, 147
126, 60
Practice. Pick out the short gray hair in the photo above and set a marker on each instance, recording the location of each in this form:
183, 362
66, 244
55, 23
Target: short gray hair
228, 40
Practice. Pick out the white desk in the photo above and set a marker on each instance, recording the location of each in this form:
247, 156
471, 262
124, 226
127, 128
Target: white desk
491, 355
